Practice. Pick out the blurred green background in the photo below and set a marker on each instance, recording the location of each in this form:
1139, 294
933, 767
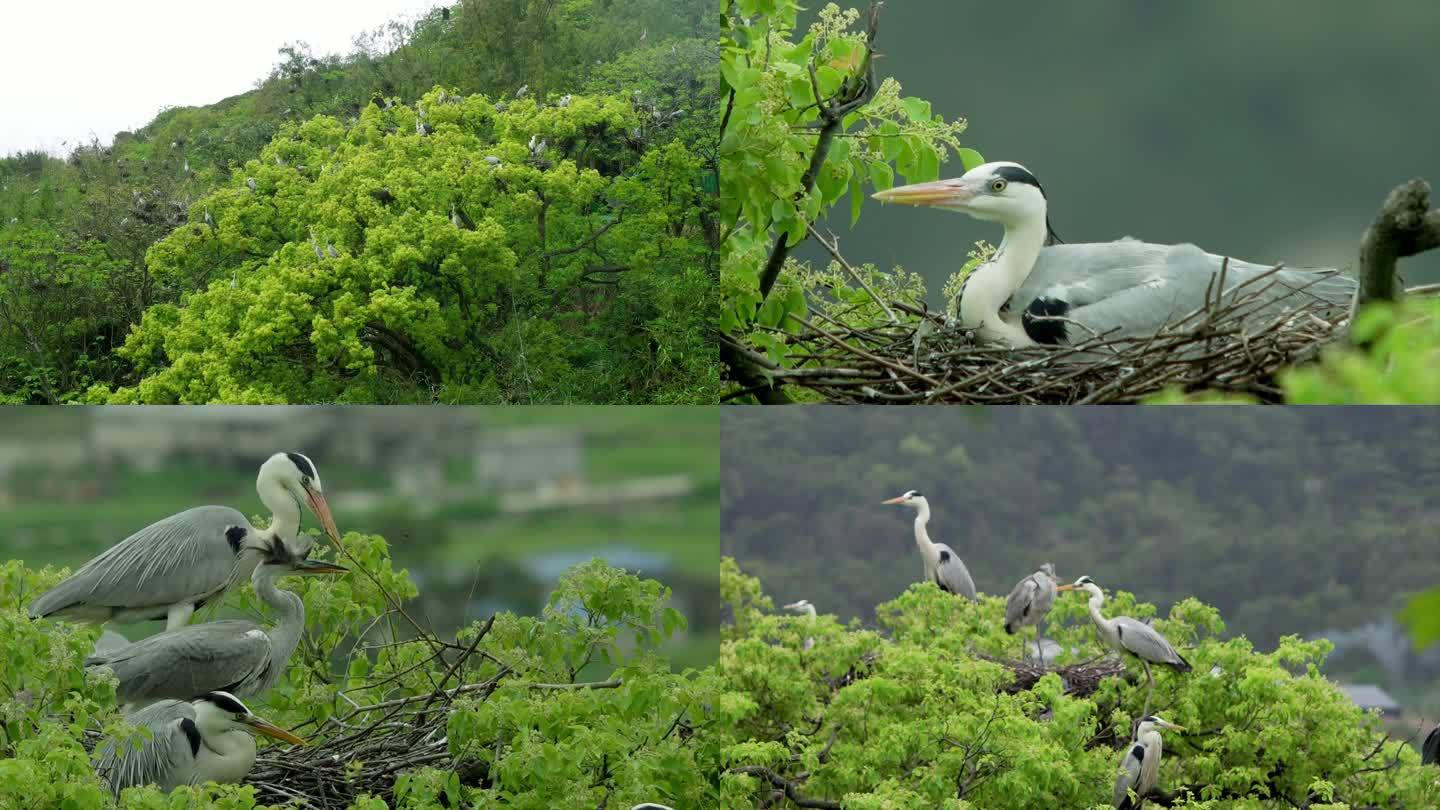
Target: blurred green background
1266, 131
1307, 521
486, 507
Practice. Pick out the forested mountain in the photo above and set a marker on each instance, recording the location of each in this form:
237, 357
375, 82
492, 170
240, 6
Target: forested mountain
505, 201
1288, 521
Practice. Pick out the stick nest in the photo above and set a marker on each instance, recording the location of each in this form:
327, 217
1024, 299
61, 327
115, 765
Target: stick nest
1226, 345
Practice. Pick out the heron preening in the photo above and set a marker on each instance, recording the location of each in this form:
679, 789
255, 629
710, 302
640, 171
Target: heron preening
1140, 767
1130, 636
1033, 292
231, 655
942, 564
1028, 603
207, 739
804, 608
173, 566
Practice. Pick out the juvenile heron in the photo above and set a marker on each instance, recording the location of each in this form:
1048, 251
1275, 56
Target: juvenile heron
942, 564
231, 655
1129, 636
1029, 293
804, 608
173, 566
1028, 603
192, 742
1140, 767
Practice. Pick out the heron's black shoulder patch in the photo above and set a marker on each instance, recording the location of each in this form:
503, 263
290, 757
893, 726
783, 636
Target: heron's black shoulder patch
1138, 752
1019, 174
192, 734
944, 556
1040, 320
235, 535
303, 463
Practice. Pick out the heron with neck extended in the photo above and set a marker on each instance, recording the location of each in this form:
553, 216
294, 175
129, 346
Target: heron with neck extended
1130, 636
188, 560
942, 565
1033, 291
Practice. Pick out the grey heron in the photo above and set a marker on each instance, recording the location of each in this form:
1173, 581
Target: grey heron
942, 564
523, 91
492, 160
191, 742
250, 183
1029, 293
185, 561
233, 655
1140, 767
1029, 602
1430, 751
1130, 636
804, 608
564, 101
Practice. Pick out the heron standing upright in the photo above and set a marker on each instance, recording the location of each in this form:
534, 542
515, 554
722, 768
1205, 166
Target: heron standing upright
231, 655
1140, 767
1130, 636
942, 564
1028, 603
1029, 293
173, 566
191, 742
805, 608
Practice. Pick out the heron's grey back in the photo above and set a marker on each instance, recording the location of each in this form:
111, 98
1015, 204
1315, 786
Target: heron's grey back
230, 655
1145, 641
186, 555
157, 759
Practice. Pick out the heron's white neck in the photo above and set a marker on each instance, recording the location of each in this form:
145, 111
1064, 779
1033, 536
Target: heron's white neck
993, 283
284, 511
809, 610
220, 734
922, 534
290, 624
1097, 598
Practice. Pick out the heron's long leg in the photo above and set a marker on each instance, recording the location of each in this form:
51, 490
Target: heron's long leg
1039, 639
1149, 679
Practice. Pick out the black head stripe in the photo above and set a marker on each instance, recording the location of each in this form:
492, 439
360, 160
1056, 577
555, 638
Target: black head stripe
235, 535
1019, 174
303, 463
192, 733
916, 494
227, 701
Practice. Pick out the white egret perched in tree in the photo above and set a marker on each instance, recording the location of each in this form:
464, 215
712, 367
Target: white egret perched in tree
942, 565
207, 739
1029, 293
231, 655
1129, 636
1028, 603
1140, 767
173, 566
805, 608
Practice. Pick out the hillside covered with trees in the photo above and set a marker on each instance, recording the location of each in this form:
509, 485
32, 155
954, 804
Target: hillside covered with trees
504, 201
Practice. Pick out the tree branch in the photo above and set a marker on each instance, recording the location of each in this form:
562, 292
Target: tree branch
787, 785
1404, 226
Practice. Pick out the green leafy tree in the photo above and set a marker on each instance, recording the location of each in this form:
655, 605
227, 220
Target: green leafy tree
569, 709
932, 709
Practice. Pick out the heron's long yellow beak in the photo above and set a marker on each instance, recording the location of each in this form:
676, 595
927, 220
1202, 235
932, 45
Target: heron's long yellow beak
321, 508
269, 729
892, 501
319, 567
1066, 588
933, 193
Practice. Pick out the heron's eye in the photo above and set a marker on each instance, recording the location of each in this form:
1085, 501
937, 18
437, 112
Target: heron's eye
997, 185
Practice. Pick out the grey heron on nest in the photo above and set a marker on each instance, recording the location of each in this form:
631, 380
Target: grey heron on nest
1034, 292
942, 565
1130, 636
173, 566
231, 655
1140, 767
1028, 604
207, 739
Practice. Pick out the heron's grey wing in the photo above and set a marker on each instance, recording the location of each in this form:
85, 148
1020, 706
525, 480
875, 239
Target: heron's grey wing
1145, 642
109, 642
185, 556
1129, 776
1019, 603
158, 760
189, 661
952, 574
1044, 594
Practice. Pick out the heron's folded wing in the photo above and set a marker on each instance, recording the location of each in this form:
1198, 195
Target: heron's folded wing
189, 661
157, 758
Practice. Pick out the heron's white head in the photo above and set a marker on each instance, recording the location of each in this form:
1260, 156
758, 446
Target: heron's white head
799, 606
1001, 192
218, 712
297, 476
1155, 721
1083, 584
912, 499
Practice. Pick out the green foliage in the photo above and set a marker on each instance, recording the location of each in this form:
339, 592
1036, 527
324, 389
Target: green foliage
543, 738
777, 91
920, 713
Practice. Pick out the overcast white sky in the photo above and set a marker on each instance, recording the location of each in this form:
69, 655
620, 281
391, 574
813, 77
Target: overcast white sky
70, 69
